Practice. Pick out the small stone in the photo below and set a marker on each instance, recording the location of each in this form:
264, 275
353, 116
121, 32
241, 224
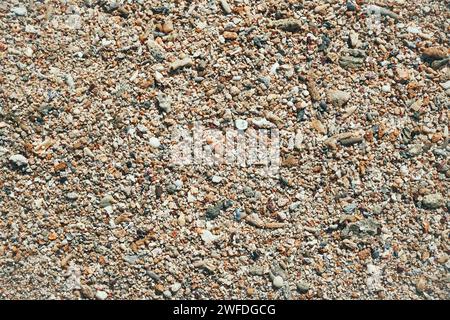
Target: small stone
225, 6
88, 152
446, 85
178, 64
175, 287
238, 214
436, 53
381, 11
72, 196
234, 91
87, 292
163, 102
442, 258
278, 282
52, 236
167, 27
19, 160
421, 285
131, 259
338, 98
230, 35
415, 150
159, 289
351, 6
303, 287
433, 201
154, 276
347, 243
262, 123
3, 151
290, 25
19, 11
106, 201
154, 142
318, 126
28, 52
159, 191
158, 77
413, 29
241, 124
348, 62
216, 179
101, 295
213, 212
181, 220
350, 208
208, 237
363, 228
354, 40
402, 75
171, 189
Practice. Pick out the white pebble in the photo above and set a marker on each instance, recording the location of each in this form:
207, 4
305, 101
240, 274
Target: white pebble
154, 142
19, 11
278, 282
175, 287
216, 179
101, 295
19, 160
386, 88
241, 124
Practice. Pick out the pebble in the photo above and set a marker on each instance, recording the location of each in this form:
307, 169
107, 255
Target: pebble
402, 75
241, 124
175, 287
159, 289
154, 276
181, 63
154, 142
208, 237
167, 27
436, 53
421, 285
386, 88
101, 295
354, 40
289, 24
163, 102
278, 282
225, 6
72, 196
433, 201
19, 160
351, 6
348, 62
338, 98
216, 179
230, 35
106, 201
446, 85
377, 10
19, 11
303, 287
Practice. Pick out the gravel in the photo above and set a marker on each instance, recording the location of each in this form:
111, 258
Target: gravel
100, 200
